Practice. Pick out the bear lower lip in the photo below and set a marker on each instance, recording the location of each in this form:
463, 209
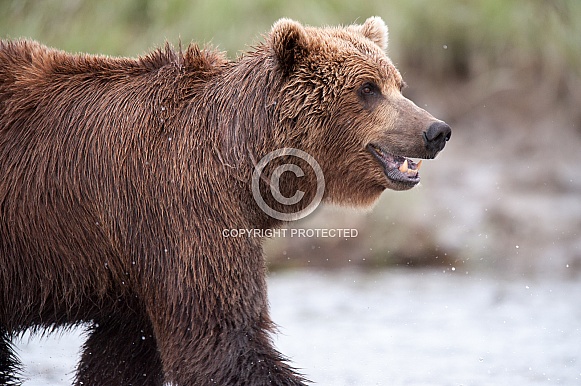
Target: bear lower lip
396, 168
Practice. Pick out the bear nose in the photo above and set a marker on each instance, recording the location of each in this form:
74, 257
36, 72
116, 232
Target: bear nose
436, 136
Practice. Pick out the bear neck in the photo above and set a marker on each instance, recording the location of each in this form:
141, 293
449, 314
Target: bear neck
246, 124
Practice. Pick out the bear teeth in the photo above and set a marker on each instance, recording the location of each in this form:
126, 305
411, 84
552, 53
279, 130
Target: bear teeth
407, 168
404, 167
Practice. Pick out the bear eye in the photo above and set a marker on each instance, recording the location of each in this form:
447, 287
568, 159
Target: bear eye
368, 89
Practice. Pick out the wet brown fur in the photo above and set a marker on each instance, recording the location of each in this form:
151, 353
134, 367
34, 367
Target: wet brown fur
119, 176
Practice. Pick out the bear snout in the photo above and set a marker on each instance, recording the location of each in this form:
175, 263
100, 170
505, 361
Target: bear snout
436, 136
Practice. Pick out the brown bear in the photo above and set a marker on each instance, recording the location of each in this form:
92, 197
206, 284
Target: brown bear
119, 177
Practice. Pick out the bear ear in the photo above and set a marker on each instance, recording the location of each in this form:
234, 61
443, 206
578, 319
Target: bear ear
289, 41
375, 30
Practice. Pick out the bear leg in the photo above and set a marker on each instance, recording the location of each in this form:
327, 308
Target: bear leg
236, 357
120, 350
219, 348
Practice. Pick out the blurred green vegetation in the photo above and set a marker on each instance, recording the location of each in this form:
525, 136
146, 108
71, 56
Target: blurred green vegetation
445, 37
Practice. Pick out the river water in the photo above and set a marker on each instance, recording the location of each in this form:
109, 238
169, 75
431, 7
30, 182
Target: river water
400, 327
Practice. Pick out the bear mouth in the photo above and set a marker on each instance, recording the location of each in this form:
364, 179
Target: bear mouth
397, 168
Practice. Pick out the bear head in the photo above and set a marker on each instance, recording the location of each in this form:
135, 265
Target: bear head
341, 99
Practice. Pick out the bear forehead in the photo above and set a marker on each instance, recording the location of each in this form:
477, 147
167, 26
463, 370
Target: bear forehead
337, 45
